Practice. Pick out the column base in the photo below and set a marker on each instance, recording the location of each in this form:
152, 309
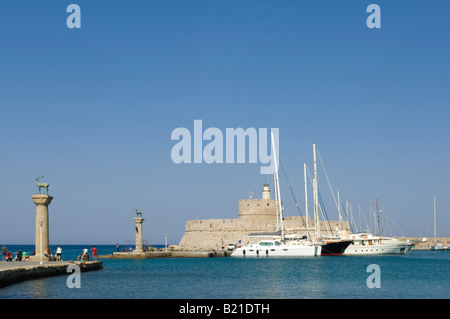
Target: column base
38, 258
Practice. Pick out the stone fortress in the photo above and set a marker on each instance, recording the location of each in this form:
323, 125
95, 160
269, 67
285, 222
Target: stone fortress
257, 217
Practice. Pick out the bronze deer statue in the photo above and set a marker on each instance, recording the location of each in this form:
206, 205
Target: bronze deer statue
41, 185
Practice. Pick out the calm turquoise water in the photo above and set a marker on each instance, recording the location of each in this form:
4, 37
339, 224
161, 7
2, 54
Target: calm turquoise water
418, 274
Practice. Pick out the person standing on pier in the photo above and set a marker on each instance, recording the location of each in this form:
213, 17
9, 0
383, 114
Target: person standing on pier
58, 253
94, 253
4, 251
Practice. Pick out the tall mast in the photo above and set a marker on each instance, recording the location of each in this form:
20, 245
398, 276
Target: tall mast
435, 217
378, 218
346, 210
277, 185
276, 200
306, 199
316, 197
339, 211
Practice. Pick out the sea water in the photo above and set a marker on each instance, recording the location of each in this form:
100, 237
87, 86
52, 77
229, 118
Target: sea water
415, 275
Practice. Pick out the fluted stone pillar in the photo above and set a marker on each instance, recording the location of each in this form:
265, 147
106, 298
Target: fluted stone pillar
42, 201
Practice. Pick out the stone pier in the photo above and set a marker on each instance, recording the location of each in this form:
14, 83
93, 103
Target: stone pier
14, 272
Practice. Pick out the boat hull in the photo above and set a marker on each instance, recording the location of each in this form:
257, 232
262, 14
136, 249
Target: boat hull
335, 248
280, 251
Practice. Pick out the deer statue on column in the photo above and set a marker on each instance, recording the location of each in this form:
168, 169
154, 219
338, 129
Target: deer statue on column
41, 185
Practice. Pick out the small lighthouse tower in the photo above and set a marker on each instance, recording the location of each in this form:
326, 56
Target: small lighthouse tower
139, 238
266, 192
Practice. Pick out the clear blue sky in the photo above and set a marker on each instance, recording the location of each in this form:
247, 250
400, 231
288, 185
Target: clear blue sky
92, 110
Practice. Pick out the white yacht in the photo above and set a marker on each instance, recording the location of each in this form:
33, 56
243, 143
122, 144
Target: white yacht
437, 246
275, 248
367, 244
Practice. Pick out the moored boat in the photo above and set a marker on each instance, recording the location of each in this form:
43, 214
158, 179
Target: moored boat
438, 246
275, 248
335, 248
367, 244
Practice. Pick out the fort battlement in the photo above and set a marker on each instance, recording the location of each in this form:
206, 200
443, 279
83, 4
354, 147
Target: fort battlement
211, 224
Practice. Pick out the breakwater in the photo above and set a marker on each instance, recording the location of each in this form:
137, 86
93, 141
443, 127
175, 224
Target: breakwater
166, 254
13, 272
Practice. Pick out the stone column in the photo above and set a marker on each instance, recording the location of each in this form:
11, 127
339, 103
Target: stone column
42, 201
139, 238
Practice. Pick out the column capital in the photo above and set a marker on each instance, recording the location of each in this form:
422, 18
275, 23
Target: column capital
42, 199
138, 220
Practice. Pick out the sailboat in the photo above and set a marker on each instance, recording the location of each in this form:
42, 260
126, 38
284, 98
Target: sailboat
436, 246
279, 247
330, 246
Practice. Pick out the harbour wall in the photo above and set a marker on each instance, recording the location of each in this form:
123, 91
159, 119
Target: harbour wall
13, 272
167, 254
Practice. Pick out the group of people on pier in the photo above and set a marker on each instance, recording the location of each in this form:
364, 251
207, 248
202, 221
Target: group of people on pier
7, 255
